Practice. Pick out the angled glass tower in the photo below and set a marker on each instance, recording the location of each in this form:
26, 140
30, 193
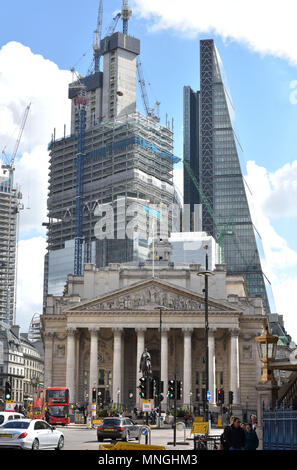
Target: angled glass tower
214, 161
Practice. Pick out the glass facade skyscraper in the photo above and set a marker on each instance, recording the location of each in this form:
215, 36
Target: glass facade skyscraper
214, 161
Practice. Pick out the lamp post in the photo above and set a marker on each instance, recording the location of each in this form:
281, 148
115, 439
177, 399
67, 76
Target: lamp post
160, 308
206, 275
267, 387
266, 344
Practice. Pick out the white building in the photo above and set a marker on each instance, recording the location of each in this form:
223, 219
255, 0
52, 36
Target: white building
188, 247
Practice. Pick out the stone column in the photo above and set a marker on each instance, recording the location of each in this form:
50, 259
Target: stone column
164, 361
70, 364
48, 358
212, 364
140, 348
117, 365
234, 365
93, 382
187, 379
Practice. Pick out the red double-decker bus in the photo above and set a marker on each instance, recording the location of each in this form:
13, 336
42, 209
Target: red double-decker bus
52, 403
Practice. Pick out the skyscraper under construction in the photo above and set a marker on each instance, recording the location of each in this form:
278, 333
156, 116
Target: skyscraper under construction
10, 205
211, 153
106, 177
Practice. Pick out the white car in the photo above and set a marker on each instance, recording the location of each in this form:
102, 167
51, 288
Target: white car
8, 416
30, 434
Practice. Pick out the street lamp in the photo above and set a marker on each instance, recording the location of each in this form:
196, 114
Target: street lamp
160, 308
206, 275
266, 349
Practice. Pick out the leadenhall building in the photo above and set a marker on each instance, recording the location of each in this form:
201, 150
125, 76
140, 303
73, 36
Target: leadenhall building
94, 335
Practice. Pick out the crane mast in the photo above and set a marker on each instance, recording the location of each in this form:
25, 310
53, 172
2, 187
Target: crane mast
126, 15
97, 37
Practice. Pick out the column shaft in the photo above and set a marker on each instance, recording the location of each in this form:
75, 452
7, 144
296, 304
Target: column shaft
93, 361
234, 366
164, 361
212, 366
140, 349
187, 380
117, 366
48, 359
70, 367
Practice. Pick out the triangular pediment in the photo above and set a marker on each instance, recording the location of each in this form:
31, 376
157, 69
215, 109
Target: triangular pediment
149, 294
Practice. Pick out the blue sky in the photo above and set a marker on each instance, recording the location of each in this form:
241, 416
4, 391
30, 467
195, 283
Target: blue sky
259, 75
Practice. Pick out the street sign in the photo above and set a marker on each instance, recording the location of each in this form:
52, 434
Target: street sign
144, 431
146, 406
9, 406
199, 428
208, 395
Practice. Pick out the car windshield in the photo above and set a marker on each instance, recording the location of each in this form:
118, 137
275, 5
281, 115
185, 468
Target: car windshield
111, 422
1, 419
57, 410
16, 424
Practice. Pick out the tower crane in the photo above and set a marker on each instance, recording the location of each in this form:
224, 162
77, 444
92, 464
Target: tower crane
80, 101
95, 66
97, 37
152, 112
126, 15
8, 164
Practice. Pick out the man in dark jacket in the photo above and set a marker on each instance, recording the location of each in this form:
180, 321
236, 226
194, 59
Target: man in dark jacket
234, 436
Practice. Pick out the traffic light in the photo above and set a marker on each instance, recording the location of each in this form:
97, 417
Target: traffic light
142, 387
179, 390
171, 389
151, 387
203, 395
94, 395
7, 391
159, 389
230, 397
220, 396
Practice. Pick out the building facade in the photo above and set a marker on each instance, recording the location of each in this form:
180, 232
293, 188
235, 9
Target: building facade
10, 206
213, 158
95, 334
20, 362
33, 368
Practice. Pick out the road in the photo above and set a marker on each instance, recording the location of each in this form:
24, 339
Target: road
79, 438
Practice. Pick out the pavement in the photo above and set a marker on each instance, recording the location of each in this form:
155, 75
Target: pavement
79, 437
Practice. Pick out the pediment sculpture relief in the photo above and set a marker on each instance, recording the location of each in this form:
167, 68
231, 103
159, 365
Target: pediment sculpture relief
148, 299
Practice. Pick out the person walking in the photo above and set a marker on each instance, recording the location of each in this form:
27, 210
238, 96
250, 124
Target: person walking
251, 438
233, 436
254, 422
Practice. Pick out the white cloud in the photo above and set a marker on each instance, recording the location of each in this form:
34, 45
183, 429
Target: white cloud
30, 279
266, 26
280, 262
27, 77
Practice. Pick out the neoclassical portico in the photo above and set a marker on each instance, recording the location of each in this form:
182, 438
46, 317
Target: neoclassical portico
107, 335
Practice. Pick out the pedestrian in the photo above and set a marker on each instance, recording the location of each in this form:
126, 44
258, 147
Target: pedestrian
234, 436
254, 422
251, 438
47, 416
224, 439
85, 412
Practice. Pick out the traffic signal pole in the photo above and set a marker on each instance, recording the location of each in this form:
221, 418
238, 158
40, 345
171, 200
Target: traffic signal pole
174, 423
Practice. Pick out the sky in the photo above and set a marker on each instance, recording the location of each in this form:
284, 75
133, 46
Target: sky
257, 41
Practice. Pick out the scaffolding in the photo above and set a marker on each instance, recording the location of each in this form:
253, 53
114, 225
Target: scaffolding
130, 157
